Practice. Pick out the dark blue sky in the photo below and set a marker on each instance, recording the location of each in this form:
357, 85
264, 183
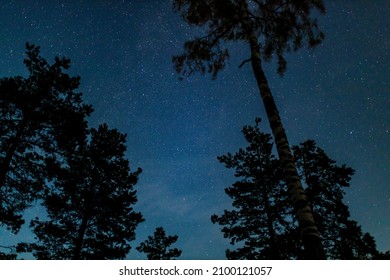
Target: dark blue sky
338, 95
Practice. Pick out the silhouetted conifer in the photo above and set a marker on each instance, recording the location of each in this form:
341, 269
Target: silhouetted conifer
262, 227
324, 183
260, 216
89, 203
38, 115
156, 247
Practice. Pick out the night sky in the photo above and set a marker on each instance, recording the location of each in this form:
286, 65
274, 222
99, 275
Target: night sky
337, 95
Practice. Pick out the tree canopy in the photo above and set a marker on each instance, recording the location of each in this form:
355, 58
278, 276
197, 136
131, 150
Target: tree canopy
38, 115
261, 226
157, 247
258, 221
89, 203
279, 26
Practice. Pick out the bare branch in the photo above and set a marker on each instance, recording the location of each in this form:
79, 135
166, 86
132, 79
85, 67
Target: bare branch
244, 62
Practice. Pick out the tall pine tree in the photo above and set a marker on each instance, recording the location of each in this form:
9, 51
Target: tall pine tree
270, 29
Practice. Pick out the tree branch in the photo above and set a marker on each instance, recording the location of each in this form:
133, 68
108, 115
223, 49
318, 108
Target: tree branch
244, 62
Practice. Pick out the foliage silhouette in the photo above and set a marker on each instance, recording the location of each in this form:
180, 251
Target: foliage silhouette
270, 29
38, 115
156, 247
383, 256
10, 255
324, 184
260, 216
89, 203
260, 224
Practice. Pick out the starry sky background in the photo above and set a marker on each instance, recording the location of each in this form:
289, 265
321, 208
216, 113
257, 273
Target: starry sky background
338, 95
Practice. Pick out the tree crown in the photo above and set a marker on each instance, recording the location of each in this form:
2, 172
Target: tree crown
280, 26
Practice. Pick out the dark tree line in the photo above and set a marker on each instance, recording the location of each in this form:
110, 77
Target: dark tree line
261, 226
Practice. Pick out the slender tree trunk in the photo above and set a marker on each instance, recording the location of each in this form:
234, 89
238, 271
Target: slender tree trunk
309, 232
80, 238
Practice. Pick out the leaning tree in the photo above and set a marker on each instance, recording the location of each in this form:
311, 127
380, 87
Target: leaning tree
270, 28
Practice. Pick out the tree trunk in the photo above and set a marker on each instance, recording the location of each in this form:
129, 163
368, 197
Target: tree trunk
80, 238
309, 232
